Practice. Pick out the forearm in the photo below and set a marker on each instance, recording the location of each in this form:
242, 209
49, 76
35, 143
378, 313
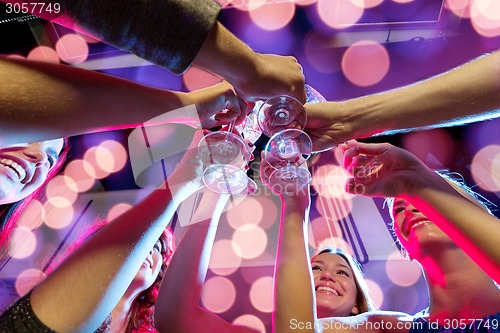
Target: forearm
293, 272
224, 54
180, 292
468, 225
468, 93
44, 101
85, 288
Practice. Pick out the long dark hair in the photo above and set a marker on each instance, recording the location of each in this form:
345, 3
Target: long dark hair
10, 213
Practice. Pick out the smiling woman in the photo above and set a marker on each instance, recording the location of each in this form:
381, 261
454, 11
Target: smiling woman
24, 170
443, 227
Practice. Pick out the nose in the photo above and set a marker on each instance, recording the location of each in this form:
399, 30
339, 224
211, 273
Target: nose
410, 210
36, 154
325, 275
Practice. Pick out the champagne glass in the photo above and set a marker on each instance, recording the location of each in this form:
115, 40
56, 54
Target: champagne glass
287, 151
225, 155
283, 119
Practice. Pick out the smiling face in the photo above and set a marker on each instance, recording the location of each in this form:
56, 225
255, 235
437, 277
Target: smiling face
150, 268
335, 286
413, 229
24, 168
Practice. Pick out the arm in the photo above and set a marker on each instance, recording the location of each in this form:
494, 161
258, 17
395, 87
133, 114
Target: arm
43, 101
175, 34
84, 289
403, 174
292, 268
468, 93
177, 308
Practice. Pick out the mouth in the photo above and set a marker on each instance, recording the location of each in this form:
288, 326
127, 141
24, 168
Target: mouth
327, 290
16, 169
415, 223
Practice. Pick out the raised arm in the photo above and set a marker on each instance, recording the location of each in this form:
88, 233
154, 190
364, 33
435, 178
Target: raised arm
292, 268
397, 172
41, 101
175, 34
177, 308
468, 93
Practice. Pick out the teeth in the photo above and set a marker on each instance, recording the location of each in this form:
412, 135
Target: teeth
328, 290
417, 224
15, 167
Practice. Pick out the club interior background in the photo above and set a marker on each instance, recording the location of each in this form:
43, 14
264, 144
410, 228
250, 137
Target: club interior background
347, 51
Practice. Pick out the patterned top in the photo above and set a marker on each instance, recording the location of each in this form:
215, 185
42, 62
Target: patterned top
20, 318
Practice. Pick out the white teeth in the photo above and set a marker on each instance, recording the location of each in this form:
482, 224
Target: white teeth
417, 224
328, 290
14, 166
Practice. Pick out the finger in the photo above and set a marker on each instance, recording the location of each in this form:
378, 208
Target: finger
370, 148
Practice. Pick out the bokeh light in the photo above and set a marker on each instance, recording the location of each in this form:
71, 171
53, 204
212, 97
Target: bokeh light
402, 272
320, 229
59, 193
485, 17
31, 217
72, 49
215, 300
94, 156
223, 259
249, 241
250, 321
23, 243
118, 210
273, 17
28, 279
485, 166
261, 293
57, 217
249, 211
248, 5
376, 292
116, 156
435, 147
329, 181
43, 53
372, 3
329, 11
365, 63
460, 8
304, 2
196, 78
77, 177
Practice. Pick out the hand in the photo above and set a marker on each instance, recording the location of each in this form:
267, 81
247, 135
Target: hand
301, 198
187, 176
216, 99
381, 169
273, 76
326, 125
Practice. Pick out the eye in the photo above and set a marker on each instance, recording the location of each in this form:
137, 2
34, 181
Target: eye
316, 268
157, 246
343, 273
51, 161
398, 210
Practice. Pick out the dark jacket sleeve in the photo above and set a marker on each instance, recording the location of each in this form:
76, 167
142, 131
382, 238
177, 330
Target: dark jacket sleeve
168, 33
